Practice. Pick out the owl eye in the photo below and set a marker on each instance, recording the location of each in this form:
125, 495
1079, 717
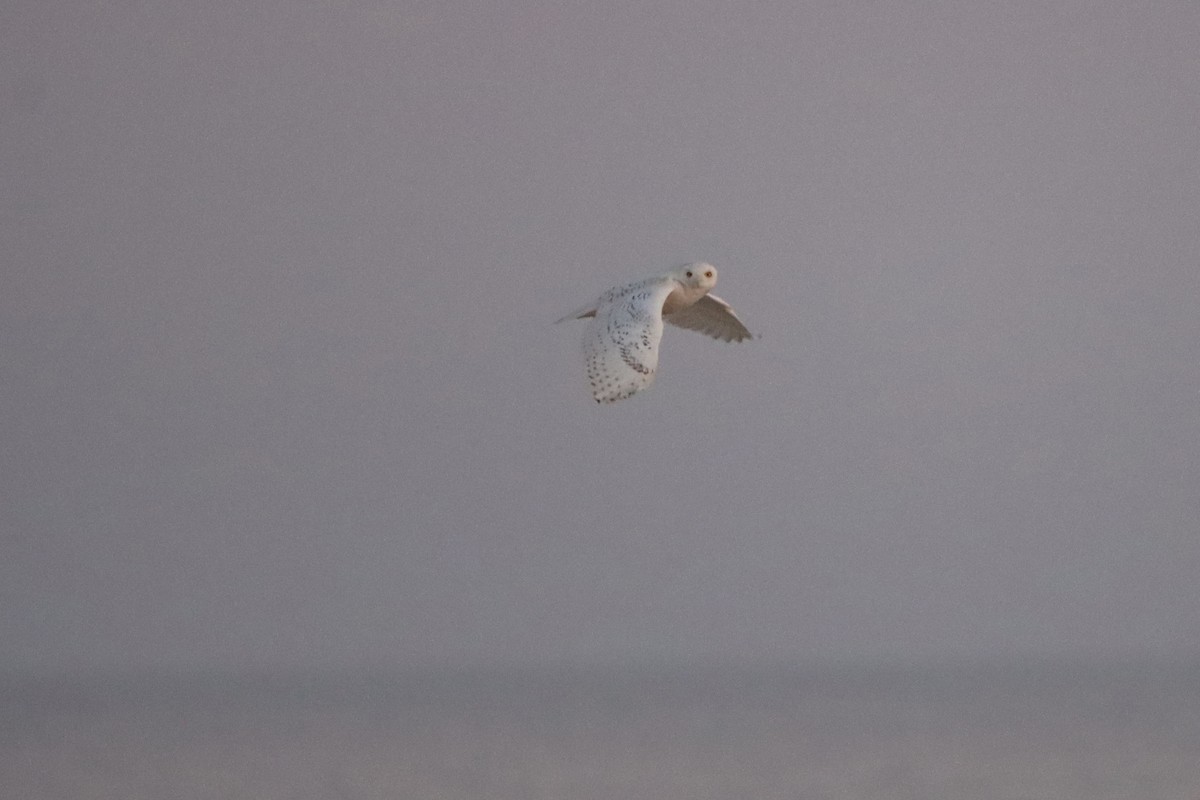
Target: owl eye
689, 273
708, 274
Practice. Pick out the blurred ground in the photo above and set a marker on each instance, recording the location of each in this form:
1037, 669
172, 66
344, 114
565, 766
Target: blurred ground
1064, 732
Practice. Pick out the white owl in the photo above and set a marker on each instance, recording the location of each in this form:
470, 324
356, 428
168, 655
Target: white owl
621, 342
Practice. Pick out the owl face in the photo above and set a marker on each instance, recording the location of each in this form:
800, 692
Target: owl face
698, 276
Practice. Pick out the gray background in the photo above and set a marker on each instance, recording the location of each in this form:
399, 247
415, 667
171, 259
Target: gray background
279, 386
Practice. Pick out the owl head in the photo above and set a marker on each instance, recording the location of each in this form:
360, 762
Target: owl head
697, 276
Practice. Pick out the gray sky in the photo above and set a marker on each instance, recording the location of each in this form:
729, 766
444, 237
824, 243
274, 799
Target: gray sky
279, 384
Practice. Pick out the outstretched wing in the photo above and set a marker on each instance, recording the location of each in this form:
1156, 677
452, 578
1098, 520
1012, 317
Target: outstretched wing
621, 343
712, 316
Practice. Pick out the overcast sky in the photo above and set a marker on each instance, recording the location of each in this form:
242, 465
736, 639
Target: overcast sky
280, 386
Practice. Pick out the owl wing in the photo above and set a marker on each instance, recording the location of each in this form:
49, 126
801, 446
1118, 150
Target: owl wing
712, 316
621, 342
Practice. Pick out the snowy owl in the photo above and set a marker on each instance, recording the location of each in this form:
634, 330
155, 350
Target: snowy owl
621, 342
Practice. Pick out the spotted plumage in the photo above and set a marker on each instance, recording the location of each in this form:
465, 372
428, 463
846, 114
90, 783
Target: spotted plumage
621, 341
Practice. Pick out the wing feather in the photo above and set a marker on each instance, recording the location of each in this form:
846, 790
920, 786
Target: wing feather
581, 313
621, 343
711, 316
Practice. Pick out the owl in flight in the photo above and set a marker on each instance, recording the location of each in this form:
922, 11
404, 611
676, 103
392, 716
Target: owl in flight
621, 341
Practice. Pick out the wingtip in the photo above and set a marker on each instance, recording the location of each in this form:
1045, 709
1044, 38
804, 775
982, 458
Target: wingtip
582, 313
